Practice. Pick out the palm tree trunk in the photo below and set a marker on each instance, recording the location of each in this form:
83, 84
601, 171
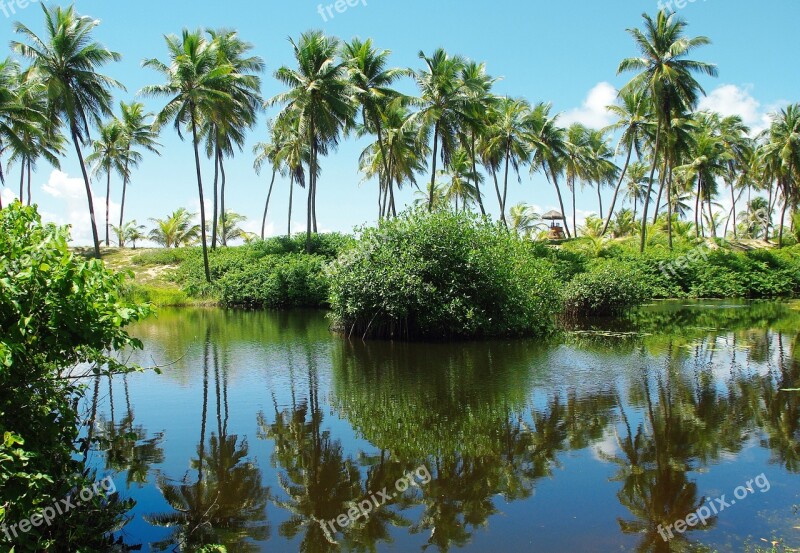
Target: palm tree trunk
499, 197
477, 178
574, 210
314, 207
661, 179
433, 165
266, 206
291, 192
22, 181
108, 205
124, 191
712, 226
599, 200
76, 142
649, 189
635, 206
505, 182
697, 210
560, 200
391, 199
215, 217
29, 182
385, 201
200, 195
616, 192
770, 209
783, 215
222, 216
669, 208
733, 214
312, 176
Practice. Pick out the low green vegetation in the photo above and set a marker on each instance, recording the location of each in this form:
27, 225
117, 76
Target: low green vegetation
607, 288
441, 275
61, 316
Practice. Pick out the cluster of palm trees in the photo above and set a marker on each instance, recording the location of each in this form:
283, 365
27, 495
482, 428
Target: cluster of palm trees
456, 129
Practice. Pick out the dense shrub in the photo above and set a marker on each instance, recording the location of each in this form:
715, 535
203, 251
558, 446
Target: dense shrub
608, 288
441, 275
295, 280
61, 318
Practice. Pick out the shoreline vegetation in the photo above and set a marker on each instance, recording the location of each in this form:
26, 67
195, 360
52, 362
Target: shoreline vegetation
461, 265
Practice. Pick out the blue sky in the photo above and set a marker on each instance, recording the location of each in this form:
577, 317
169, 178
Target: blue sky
564, 52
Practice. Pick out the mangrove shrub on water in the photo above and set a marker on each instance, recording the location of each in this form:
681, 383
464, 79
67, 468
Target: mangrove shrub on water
59, 315
439, 275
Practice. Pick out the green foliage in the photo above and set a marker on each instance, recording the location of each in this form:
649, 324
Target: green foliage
441, 275
608, 288
292, 280
60, 316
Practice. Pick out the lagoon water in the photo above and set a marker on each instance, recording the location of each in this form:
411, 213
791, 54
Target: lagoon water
265, 427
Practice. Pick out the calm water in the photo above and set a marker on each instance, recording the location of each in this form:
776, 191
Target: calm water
264, 427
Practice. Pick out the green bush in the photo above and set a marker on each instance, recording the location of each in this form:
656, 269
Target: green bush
441, 275
608, 288
61, 319
292, 280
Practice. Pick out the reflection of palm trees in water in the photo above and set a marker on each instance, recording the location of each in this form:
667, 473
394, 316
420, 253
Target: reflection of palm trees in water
318, 481
226, 505
126, 445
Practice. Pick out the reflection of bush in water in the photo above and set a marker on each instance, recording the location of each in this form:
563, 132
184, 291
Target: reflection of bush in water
469, 399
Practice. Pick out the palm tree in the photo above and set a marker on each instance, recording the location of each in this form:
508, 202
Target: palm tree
10, 110
782, 156
735, 136
321, 98
108, 156
225, 126
197, 85
68, 60
755, 219
371, 82
442, 101
577, 166
511, 131
35, 130
524, 220
636, 181
269, 152
667, 78
233, 229
295, 154
459, 184
176, 230
549, 148
137, 127
129, 232
479, 102
601, 166
634, 121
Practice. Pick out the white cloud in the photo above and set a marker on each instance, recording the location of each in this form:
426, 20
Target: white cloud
76, 209
729, 100
593, 112
7, 196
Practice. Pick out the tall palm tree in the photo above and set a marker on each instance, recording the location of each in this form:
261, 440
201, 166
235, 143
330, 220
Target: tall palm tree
549, 143
10, 109
225, 127
322, 99
511, 132
295, 154
196, 86
600, 159
68, 59
108, 156
137, 126
576, 163
636, 184
442, 101
667, 77
475, 123
269, 152
735, 136
782, 156
634, 122
372, 80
